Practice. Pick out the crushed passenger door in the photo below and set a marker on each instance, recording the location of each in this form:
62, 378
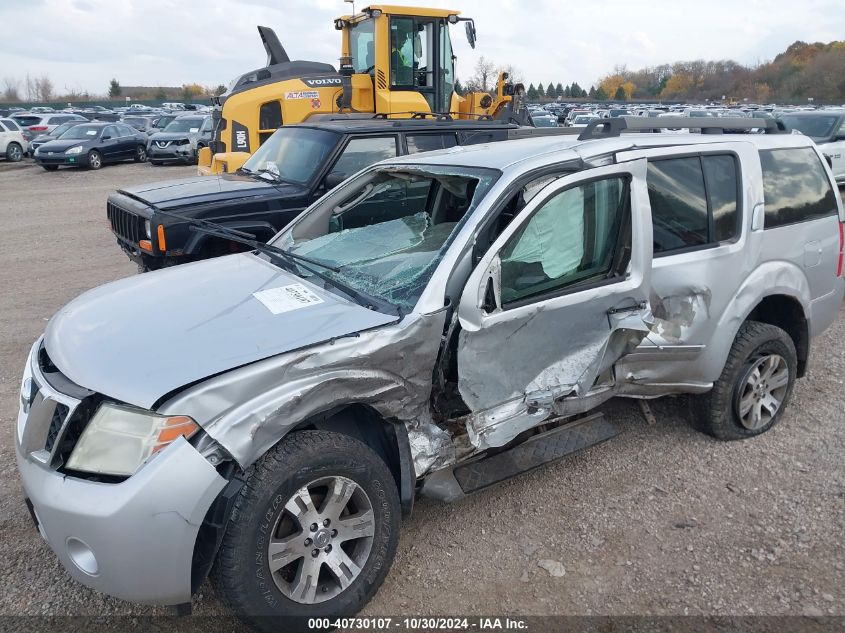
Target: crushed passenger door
559, 297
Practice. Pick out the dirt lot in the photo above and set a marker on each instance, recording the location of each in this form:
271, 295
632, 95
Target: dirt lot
661, 520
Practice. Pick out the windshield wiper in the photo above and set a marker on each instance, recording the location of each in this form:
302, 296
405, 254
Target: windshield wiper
279, 255
248, 239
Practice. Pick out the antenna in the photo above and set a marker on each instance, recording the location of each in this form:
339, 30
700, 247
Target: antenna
352, 2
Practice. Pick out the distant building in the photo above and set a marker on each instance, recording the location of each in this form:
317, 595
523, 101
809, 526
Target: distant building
173, 93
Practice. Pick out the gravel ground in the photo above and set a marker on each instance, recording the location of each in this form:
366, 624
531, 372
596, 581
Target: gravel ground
661, 520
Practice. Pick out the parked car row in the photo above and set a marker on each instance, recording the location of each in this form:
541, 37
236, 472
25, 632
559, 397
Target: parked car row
93, 144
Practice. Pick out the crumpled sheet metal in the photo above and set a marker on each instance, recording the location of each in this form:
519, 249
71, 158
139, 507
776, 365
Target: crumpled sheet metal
248, 410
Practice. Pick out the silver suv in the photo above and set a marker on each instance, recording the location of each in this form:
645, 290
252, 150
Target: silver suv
435, 324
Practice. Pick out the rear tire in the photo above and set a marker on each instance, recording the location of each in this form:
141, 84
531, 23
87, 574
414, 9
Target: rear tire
319, 570
95, 159
14, 152
755, 386
140, 154
50, 167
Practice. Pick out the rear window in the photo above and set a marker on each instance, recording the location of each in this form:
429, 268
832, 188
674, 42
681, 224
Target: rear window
26, 121
694, 201
795, 187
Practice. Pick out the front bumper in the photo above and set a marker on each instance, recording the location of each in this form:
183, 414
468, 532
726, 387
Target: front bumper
172, 153
73, 160
133, 540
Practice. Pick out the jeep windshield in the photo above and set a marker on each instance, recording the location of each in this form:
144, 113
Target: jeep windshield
391, 228
292, 154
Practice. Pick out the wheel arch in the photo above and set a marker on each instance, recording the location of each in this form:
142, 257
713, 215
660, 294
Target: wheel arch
200, 243
787, 313
387, 438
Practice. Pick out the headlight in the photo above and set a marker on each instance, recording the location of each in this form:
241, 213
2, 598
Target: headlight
118, 440
76, 149
148, 229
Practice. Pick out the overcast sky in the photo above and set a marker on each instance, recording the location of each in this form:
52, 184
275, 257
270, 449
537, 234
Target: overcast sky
81, 44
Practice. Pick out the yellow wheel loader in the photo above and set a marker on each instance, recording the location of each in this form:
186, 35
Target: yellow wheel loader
395, 62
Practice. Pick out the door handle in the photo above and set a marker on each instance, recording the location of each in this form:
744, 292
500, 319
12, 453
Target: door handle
642, 305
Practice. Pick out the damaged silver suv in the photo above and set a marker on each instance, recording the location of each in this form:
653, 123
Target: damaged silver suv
434, 325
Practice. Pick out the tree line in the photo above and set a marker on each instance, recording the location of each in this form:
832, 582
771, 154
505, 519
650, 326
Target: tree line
803, 71
41, 89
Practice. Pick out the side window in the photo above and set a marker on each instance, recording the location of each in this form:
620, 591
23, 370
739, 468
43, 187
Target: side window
363, 152
2, 127
429, 142
678, 204
402, 31
111, 131
125, 130
840, 133
270, 116
720, 177
10, 125
694, 201
795, 187
572, 239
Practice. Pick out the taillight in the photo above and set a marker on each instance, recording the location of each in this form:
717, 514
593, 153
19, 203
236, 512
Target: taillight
841, 249
37, 128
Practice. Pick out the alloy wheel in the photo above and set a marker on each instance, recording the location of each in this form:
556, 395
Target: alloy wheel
762, 391
321, 540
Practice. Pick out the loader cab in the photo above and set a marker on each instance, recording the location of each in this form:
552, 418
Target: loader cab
408, 57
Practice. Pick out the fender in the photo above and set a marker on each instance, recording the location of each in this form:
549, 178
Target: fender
249, 409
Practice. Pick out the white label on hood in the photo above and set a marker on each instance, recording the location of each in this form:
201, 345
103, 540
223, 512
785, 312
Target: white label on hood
287, 298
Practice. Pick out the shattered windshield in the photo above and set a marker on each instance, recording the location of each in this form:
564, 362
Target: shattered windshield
390, 231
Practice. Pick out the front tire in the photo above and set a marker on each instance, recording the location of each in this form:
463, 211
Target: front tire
313, 533
14, 152
50, 167
95, 159
755, 386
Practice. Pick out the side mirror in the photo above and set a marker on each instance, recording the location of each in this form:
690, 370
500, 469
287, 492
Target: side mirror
470, 29
105, 137
334, 179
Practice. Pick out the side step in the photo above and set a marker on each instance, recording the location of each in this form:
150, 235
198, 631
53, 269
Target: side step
534, 452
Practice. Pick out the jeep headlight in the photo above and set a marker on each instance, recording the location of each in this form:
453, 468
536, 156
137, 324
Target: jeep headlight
76, 149
148, 229
118, 440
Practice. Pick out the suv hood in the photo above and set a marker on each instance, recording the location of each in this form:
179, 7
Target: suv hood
141, 338
172, 136
175, 193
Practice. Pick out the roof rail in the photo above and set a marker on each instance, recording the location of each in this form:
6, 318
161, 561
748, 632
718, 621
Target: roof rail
609, 128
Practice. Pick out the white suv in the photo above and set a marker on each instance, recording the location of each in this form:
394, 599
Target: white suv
13, 145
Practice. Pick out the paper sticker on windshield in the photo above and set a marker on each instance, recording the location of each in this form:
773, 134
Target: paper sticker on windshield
304, 94
287, 298
91, 132
194, 130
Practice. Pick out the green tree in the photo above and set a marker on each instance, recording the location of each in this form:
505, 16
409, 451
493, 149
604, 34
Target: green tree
577, 91
541, 92
114, 88
532, 92
559, 90
567, 92
601, 95
592, 93
219, 90
459, 88
161, 94
620, 94
550, 91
